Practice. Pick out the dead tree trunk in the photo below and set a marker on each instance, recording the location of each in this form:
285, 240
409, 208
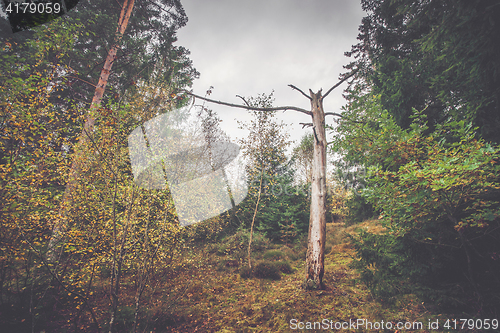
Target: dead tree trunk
317, 219
84, 139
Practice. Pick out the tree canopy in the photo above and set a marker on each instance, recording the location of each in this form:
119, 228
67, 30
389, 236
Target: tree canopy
441, 56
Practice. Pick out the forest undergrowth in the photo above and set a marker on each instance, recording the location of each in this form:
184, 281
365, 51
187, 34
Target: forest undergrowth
205, 289
209, 295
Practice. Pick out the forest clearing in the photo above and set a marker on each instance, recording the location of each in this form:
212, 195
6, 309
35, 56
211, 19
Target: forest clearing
222, 301
129, 201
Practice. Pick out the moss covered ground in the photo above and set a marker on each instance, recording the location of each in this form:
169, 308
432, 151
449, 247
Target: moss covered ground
205, 292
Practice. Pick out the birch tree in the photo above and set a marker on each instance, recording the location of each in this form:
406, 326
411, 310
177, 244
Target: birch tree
265, 149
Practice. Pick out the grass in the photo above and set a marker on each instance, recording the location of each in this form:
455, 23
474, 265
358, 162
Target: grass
218, 299
204, 290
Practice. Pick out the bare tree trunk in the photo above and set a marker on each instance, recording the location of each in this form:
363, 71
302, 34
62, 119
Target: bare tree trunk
317, 221
88, 128
253, 221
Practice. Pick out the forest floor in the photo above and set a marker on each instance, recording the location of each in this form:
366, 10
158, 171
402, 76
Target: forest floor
207, 294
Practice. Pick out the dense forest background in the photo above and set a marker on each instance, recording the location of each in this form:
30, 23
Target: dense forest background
415, 155
422, 118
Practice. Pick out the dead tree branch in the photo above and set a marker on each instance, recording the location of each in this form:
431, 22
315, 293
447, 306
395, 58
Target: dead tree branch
315, 135
338, 84
244, 100
333, 114
294, 87
284, 108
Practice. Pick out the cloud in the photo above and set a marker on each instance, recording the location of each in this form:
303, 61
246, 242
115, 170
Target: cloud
251, 47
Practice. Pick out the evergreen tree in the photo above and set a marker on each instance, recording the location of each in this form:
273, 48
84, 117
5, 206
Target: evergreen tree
285, 212
437, 56
146, 46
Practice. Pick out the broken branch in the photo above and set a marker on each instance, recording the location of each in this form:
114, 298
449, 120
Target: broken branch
315, 135
244, 100
284, 108
339, 83
333, 114
294, 87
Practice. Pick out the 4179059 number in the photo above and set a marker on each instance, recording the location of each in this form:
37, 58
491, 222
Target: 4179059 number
471, 324
33, 8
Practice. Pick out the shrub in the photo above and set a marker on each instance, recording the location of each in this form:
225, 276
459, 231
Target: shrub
358, 210
227, 265
209, 230
284, 267
284, 210
267, 270
259, 241
300, 249
289, 253
273, 254
292, 256
213, 248
246, 272
124, 317
236, 245
336, 200
440, 199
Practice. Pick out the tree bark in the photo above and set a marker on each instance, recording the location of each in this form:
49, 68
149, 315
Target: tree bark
317, 220
84, 139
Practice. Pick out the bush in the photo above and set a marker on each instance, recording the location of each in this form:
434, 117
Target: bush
246, 272
236, 245
284, 267
209, 230
300, 249
283, 212
267, 270
441, 207
336, 199
289, 253
124, 317
273, 254
227, 265
358, 210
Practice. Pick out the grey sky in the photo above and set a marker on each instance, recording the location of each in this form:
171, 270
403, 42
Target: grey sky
252, 47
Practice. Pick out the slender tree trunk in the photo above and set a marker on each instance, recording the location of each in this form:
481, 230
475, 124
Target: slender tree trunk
253, 221
116, 270
88, 128
317, 221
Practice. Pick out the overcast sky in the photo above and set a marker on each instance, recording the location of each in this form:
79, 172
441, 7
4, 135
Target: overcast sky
256, 46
